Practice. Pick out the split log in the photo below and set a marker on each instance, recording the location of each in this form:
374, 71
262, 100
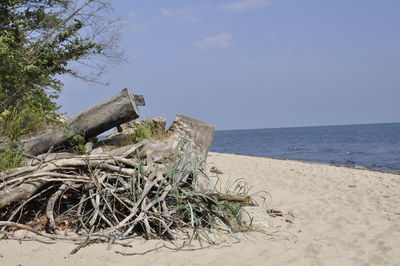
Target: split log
97, 119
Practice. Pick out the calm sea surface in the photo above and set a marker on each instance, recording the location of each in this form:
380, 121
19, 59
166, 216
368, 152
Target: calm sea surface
374, 146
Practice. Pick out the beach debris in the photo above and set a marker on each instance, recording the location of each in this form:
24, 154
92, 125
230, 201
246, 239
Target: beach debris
79, 188
256, 217
181, 136
289, 217
97, 119
274, 213
215, 170
232, 198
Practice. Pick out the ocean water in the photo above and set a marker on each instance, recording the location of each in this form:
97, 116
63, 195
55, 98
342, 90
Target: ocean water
373, 146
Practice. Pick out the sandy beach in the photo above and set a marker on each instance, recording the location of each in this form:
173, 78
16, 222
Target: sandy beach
332, 216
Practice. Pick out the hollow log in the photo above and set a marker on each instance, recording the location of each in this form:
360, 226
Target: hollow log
93, 121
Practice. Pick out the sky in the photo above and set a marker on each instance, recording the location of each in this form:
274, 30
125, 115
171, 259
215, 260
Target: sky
241, 64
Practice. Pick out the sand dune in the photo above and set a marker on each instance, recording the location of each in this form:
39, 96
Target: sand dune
336, 216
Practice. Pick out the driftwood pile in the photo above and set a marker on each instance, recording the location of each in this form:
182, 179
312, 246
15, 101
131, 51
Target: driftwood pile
153, 188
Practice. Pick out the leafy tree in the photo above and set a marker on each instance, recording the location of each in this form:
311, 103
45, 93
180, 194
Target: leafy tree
39, 39
37, 43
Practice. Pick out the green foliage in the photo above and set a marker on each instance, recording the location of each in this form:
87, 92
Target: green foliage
15, 123
38, 41
35, 47
144, 130
78, 143
10, 157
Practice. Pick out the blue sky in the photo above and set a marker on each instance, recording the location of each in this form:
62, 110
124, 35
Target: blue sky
256, 63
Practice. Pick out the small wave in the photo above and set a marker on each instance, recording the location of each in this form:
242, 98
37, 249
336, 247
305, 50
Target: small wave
297, 148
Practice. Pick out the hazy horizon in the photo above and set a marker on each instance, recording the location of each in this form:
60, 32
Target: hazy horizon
245, 64
284, 127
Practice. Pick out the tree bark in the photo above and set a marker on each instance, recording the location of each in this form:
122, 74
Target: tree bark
139, 100
199, 132
187, 134
20, 193
159, 124
97, 119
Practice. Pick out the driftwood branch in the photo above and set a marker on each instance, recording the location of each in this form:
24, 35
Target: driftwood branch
97, 119
50, 206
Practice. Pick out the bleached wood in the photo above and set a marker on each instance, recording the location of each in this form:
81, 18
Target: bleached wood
95, 120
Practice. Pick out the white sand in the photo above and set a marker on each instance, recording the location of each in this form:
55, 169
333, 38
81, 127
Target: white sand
342, 217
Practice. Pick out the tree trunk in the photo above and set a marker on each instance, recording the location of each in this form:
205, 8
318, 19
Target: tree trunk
97, 119
199, 132
189, 135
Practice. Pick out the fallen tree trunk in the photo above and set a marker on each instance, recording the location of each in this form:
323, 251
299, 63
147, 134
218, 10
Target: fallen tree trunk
97, 119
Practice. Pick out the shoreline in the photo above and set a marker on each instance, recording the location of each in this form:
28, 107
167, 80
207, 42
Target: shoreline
356, 167
337, 216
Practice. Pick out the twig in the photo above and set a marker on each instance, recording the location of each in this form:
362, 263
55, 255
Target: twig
85, 243
31, 229
138, 253
50, 206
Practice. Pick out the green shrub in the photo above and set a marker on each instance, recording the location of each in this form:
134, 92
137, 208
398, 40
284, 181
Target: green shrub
10, 156
78, 144
14, 124
144, 130
20, 121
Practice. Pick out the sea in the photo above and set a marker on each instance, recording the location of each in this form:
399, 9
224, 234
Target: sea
371, 146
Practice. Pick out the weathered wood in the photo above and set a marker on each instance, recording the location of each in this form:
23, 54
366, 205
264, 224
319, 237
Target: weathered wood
159, 124
199, 132
20, 193
139, 100
184, 131
97, 119
190, 135
187, 136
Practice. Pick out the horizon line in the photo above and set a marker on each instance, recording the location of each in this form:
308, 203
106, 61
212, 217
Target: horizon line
332, 125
